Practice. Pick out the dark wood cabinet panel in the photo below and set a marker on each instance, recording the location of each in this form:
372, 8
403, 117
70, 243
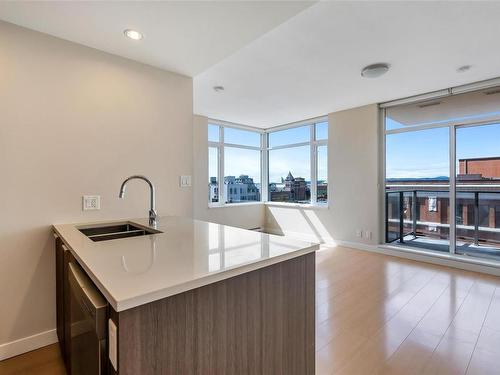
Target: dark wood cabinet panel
261, 322
67, 309
59, 293
63, 257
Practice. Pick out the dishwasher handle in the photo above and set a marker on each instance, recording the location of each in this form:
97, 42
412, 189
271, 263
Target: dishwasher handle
89, 298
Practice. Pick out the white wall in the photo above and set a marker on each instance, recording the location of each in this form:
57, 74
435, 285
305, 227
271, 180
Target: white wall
353, 184
244, 216
77, 121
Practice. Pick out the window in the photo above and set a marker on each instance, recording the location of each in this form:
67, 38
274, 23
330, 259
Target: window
322, 174
241, 137
477, 160
296, 135
290, 174
442, 164
432, 203
297, 166
321, 130
292, 162
234, 165
213, 173
421, 177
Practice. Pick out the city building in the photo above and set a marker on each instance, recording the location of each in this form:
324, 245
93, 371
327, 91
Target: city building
213, 190
322, 191
479, 168
236, 189
292, 189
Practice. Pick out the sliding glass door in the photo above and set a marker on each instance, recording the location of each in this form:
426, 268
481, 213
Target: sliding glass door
478, 191
418, 188
442, 175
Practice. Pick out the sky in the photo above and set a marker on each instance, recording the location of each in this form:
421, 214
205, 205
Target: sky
425, 153
239, 161
416, 154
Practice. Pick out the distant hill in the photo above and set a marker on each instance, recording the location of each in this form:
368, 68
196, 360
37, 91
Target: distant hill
437, 178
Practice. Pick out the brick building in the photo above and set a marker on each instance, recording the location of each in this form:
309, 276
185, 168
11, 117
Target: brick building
479, 168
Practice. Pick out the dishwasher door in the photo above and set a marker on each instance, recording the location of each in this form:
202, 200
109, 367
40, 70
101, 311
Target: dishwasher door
88, 324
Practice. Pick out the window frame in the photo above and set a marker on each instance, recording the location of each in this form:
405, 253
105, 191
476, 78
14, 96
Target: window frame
313, 143
264, 159
220, 145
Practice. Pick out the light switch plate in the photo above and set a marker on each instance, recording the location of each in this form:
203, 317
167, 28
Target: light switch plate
91, 202
185, 181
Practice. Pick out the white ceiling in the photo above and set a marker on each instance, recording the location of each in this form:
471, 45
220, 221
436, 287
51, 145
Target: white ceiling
286, 61
310, 65
185, 37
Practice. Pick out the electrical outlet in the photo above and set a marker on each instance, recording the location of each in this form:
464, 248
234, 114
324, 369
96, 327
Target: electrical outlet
359, 233
91, 202
368, 235
185, 181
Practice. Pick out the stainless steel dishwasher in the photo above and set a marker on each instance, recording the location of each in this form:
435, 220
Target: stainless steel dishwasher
88, 310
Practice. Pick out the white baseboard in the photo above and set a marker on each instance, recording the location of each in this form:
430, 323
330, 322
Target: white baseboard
300, 236
27, 344
475, 265
357, 245
442, 259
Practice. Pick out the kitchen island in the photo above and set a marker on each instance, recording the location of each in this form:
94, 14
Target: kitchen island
200, 298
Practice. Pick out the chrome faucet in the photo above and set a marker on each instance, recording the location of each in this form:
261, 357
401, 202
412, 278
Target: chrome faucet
152, 208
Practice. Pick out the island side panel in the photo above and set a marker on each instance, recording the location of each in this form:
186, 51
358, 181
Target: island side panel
261, 322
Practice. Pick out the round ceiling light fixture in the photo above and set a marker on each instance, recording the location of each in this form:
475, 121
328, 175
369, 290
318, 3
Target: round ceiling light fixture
375, 70
218, 88
464, 68
133, 34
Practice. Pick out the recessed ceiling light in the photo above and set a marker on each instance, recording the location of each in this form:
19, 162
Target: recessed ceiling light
464, 68
218, 88
374, 70
133, 34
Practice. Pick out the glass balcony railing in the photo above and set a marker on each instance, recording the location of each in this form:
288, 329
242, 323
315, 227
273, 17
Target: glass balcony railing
418, 216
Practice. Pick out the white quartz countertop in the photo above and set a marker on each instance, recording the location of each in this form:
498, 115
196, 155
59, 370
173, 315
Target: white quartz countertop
188, 254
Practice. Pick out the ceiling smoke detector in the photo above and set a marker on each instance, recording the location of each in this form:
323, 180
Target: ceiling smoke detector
218, 88
464, 68
375, 70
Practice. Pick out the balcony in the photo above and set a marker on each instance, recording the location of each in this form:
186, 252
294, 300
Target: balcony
418, 216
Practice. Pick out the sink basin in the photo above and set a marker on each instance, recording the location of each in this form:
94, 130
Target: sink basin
116, 231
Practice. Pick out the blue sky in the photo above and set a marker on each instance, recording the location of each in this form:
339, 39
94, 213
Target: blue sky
295, 159
425, 153
239, 161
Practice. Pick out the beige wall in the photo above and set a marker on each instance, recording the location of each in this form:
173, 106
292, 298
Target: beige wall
353, 184
77, 121
244, 216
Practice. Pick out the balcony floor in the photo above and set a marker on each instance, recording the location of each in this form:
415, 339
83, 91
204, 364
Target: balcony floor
487, 251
